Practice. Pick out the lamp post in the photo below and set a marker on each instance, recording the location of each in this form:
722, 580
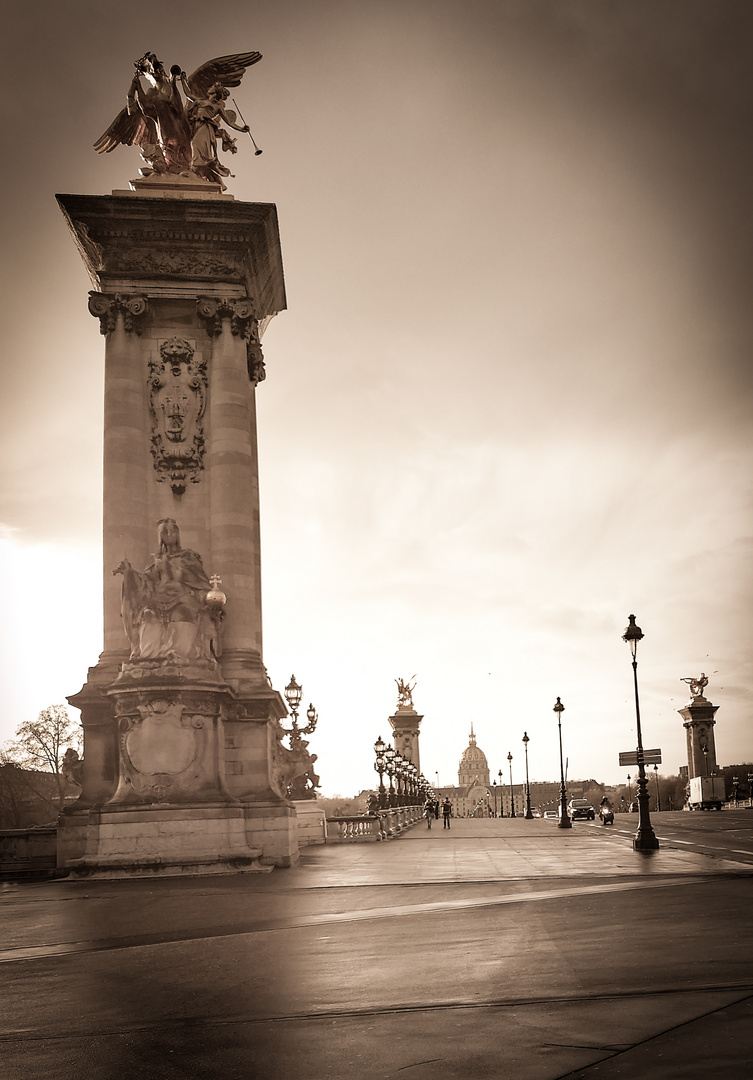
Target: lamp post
512, 789
735, 782
645, 838
398, 763
298, 787
630, 793
494, 785
529, 813
379, 766
389, 764
564, 821
658, 796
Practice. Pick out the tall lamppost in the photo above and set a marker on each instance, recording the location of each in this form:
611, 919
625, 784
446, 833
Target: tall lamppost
630, 793
379, 766
389, 764
398, 765
564, 821
512, 789
658, 796
735, 782
645, 837
298, 787
494, 785
529, 813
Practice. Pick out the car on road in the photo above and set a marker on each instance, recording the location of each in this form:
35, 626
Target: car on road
581, 810
550, 815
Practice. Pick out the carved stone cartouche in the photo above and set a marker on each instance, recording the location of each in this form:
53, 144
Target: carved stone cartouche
177, 402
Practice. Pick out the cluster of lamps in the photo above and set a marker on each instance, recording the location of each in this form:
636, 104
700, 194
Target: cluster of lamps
407, 786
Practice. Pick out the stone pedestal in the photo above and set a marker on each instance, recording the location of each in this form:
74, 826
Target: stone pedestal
181, 755
698, 716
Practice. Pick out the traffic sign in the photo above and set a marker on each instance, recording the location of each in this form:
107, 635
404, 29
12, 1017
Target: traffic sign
635, 757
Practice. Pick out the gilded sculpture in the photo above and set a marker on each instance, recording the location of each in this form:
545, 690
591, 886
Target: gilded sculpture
697, 686
405, 693
175, 136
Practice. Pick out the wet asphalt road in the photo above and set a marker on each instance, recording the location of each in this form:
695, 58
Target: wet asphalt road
494, 949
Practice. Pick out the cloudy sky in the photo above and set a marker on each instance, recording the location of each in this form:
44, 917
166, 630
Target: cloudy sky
509, 403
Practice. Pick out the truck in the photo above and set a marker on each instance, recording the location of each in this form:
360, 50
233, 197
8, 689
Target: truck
706, 793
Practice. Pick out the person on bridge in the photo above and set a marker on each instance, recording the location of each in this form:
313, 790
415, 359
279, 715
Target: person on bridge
447, 812
428, 811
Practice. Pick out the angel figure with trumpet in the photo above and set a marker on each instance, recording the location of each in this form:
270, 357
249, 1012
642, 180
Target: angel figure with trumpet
175, 138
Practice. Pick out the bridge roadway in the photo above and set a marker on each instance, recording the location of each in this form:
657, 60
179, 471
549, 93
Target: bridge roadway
494, 949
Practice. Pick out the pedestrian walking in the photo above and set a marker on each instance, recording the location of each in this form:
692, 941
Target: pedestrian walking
447, 812
428, 811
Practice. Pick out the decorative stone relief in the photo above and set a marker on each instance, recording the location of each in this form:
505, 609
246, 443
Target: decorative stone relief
177, 402
158, 745
107, 308
184, 264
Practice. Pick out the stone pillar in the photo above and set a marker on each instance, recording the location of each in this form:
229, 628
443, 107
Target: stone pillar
405, 723
698, 716
183, 290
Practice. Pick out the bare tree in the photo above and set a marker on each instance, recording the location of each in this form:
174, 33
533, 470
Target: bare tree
40, 744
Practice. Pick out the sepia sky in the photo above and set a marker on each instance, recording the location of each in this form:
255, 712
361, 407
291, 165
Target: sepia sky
509, 402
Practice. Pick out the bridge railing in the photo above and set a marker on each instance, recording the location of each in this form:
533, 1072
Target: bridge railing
381, 825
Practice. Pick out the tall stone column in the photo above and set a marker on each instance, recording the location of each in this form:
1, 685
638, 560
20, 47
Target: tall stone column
186, 736
405, 724
698, 716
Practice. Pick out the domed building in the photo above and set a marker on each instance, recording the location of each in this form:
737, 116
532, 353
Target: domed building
473, 768
473, 794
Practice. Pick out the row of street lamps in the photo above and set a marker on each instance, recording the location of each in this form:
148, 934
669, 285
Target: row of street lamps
528, 815
408, 786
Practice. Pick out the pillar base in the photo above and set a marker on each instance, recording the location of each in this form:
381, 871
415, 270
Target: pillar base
151, 841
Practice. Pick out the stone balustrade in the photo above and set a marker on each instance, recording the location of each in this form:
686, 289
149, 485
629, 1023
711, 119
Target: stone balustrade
382, 825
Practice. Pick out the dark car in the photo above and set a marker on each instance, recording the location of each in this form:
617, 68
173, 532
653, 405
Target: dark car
581, 810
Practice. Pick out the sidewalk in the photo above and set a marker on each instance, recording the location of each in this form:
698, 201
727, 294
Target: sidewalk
493, 949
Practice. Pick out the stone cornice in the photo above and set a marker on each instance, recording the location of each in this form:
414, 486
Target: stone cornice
202, 242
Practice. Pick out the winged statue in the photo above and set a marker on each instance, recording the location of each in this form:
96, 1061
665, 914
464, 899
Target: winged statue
175, 136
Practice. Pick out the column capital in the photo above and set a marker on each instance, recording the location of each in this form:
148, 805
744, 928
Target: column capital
106, 308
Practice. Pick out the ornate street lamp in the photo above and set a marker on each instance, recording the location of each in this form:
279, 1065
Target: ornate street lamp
658, 796
529, 813
379, 766
512, 789
645, 838
630, 793
399, 777
735, 782
494, 785
389, 764
564, 821
293, 696
298, 787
